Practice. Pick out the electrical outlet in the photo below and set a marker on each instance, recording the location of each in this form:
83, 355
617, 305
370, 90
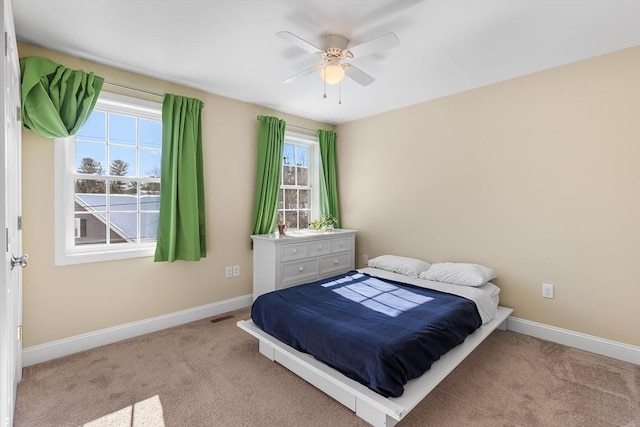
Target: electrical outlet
547, 290
236, 271
365, 259
228, 272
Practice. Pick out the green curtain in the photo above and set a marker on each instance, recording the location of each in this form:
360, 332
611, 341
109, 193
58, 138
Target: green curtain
328, 183
270, 145
56, 101
181, 224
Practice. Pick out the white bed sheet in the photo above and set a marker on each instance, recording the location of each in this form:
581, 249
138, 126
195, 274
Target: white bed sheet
486, 296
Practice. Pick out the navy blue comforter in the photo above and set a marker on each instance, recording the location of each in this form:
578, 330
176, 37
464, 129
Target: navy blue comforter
378, 332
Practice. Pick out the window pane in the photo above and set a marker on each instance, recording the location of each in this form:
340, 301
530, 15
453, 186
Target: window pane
122, 161
288, 175
280, 217
90, 195
93, 129
303, 176
280, 196
150, 202
291, 199
148, 226
90, 229
123, 202
90, 158
304, 219
288, 155
149, 163
123, 187
303, 201
150, 188
124, 227
302, 156
122, 129
149, 133
291, 219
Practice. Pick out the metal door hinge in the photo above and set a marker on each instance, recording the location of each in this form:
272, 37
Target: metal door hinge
19, 333
20, 222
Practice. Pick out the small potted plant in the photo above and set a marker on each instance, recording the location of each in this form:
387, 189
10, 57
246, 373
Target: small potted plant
324, 223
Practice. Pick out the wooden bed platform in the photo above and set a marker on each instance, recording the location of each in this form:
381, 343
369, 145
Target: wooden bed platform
367, 404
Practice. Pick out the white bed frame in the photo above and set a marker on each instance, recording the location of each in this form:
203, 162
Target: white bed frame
367, 404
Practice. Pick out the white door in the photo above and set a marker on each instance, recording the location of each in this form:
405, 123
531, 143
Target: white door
10, 216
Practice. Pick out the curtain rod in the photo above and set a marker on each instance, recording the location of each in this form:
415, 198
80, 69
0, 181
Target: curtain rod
294, 126
133, 88
159, 95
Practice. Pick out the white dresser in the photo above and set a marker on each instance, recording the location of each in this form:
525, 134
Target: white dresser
300, 257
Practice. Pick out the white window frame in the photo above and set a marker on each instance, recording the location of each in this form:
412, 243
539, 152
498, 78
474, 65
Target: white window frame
66, 252
311, 142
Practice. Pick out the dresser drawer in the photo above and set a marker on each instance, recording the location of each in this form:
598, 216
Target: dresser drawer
297, 272
341, 244
293, 251
335, 263
320, 247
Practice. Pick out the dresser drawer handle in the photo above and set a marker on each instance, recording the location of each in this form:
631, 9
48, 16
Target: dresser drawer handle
319, 248
335, 261
295, 251
301, 269
341, 243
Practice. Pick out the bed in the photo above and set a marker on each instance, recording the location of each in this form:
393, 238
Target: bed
380, 382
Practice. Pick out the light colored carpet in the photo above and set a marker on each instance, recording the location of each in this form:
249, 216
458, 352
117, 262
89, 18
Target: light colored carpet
211, 374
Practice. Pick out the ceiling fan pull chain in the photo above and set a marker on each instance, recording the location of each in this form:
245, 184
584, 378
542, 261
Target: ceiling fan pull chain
340, 93
325, 82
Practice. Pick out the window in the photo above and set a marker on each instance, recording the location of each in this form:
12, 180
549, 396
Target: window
298, 198
108, 183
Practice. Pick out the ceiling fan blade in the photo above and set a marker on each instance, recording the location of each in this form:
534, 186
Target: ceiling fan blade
358, 75
303, 73
302, 44
378, 44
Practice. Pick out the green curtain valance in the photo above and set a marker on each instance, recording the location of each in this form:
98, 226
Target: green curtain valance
181, 222
328, 182
56, 101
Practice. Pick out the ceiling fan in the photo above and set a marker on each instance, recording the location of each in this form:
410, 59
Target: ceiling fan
335, 50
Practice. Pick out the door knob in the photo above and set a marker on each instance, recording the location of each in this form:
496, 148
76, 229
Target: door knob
22, 261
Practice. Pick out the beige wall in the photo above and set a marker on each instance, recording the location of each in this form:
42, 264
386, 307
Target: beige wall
537, 177
60, 302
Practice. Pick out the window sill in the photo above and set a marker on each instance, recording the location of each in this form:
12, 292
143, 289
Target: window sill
105, 255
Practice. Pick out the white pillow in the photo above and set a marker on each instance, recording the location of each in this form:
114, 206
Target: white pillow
398, 264
459, 273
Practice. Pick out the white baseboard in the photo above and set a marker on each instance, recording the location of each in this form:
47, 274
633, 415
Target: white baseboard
52, 350
64, 347
616, 350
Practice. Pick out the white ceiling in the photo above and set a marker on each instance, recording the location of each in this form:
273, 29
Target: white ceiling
230, 48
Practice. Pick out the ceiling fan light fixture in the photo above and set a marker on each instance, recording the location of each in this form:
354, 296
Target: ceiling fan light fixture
332, 73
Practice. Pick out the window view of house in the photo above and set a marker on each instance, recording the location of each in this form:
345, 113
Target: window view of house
117, 179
